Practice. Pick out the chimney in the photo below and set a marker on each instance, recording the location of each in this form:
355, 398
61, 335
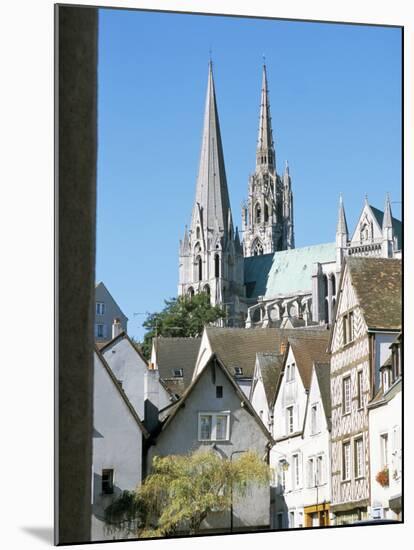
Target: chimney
283, 346
116, 328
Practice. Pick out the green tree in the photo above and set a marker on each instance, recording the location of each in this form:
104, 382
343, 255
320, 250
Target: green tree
182, 316
183, 489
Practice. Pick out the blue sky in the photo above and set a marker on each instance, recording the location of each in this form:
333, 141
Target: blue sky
335, 94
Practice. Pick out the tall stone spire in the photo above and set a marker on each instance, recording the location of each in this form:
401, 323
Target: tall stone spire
342, 227
387, 231
342, 235
212, 196
265, 154
211, 259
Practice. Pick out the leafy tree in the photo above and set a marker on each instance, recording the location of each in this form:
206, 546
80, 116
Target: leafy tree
183, 489
182, 316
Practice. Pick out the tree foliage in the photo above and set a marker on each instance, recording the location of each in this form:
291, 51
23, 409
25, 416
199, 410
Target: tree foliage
182, 316
183, 489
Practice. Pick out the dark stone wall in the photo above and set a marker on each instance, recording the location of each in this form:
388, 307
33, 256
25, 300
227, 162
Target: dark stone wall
76, 149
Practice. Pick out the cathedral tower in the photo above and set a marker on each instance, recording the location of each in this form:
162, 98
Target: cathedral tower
211, 256
267, 215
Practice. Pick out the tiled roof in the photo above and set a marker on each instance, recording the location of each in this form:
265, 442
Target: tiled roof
285, 272
308, 351
377, 282
176, 353
237, 347
270, 367
323, 374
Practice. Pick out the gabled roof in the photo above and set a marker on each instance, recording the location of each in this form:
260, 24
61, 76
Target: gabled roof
378, 285
122, 336
237, 347
214, 359
323, 374
285, 272
102, 284
176, 353
396, 224
270, 365
121, 392
307, 352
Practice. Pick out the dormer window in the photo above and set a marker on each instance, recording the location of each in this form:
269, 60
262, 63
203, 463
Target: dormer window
238, 371
178, 373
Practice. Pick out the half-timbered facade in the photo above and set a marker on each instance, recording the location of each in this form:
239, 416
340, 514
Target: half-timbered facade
368, 316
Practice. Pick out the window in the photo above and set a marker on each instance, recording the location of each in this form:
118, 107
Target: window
198, 232
107, 482
279, 520
311, 478
319, 470
314, 419
348, 327
200, 268
238, 371
214, 426
216, 266
384, 450
258, 214
281, 473
266, 213
295, 471
359, 457
100, 331
360, 390
346, 395
290, 372
100, 308
289, 420
346, 461
257, 248
178, 373
219, 391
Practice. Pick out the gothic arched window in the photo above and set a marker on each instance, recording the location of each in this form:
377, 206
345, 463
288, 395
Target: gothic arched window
258, 213
333, 285
190, 292
200, 268
257, 248
216, 266
207, 290
266, 213
198, 232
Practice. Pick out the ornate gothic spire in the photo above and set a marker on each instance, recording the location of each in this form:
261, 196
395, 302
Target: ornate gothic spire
387, 221
211, 191
265, 154
342, 227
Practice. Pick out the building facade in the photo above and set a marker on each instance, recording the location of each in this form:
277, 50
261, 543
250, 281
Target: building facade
368, 318
106, 312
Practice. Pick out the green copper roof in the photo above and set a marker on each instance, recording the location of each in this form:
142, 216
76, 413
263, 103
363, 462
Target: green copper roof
285, 272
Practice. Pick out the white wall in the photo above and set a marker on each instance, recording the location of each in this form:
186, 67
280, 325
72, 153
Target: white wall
129, 368
384, 420
117, 445
258, 397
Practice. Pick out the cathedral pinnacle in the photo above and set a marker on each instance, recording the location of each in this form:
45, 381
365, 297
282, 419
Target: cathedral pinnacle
387, 221
342, 227
265, 150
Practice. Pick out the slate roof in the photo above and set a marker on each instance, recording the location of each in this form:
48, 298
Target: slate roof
176, 353
378, 285
323, 374
237, 347
308, 351
270, 365
396, 224
284, 272
213, 362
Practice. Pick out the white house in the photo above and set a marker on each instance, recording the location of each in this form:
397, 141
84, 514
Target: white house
289, 455
117, 447
131, 371
106, 311
385, 421
266, 375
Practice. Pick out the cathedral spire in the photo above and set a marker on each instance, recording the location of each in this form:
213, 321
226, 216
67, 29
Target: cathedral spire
265, 154
342, 227
211, 192
387, 221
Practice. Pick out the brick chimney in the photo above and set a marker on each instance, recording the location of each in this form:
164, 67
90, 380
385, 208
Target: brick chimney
283, 346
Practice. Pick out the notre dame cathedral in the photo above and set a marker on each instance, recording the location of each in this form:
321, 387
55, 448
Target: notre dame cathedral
262, 280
